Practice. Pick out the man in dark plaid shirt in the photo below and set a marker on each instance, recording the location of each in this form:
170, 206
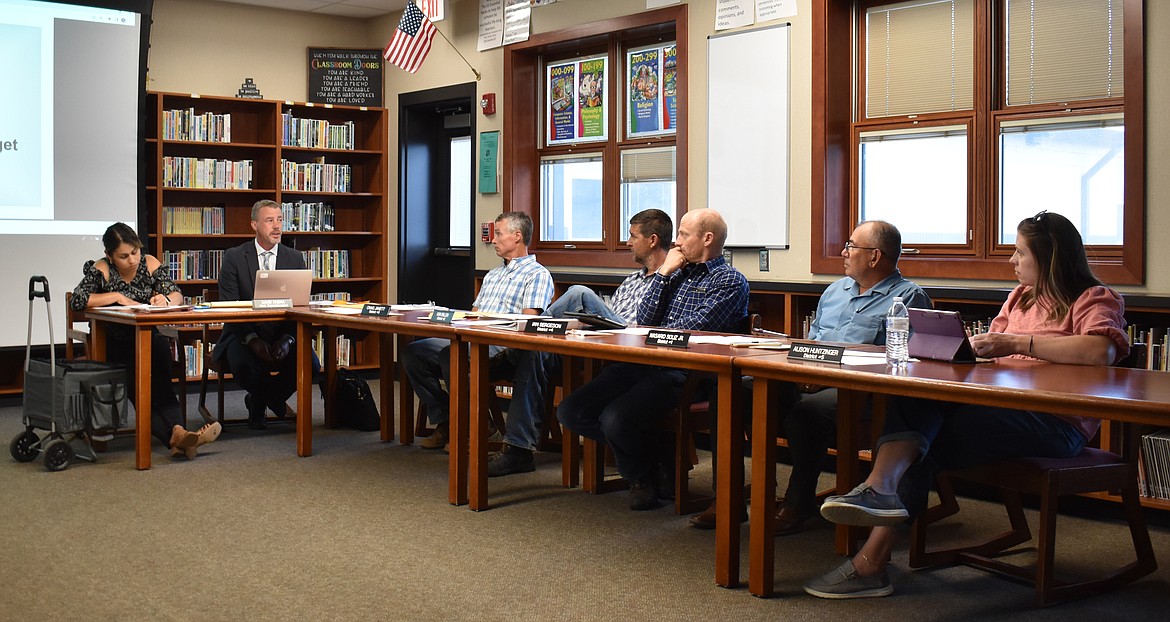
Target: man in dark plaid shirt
694, 289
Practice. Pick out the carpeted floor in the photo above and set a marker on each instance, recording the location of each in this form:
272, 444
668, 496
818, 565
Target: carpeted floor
363, 531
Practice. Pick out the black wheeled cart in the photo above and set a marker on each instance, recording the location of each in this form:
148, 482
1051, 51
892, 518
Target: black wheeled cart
66, 402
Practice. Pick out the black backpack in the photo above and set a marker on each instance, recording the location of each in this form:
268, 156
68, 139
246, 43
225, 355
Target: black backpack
355, 403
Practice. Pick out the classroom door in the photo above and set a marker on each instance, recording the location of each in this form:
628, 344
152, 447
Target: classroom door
436, 204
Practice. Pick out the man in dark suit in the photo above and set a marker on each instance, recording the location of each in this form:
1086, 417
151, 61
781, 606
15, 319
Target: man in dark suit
256, 349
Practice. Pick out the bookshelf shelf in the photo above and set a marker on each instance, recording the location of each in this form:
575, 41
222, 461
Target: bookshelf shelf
257, 131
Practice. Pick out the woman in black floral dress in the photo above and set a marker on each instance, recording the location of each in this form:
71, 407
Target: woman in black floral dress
127, 277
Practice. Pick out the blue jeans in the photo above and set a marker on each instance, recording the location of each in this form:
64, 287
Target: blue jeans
579, 298
427, 361
956, 436
622, 407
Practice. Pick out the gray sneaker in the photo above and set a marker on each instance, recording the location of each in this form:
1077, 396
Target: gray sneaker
844, 582
864, 507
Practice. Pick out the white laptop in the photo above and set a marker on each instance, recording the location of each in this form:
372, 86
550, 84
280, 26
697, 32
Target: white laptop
292, 284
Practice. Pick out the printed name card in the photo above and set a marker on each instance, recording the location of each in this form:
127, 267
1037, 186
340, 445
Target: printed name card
272, 303
547, 327
376, 310
442, 316
816, 352
668, 338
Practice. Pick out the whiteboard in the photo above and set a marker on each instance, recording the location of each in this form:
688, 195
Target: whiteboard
747, 134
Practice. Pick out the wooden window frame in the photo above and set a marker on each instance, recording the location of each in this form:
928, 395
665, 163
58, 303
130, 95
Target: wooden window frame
836, 100
524, 66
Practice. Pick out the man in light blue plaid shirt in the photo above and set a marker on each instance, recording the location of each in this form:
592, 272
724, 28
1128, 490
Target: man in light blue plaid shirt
520, 285
650, 235
693, 289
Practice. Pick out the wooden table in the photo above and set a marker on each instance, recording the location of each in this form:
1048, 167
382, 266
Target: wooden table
143, 322
1127, 395
703, 357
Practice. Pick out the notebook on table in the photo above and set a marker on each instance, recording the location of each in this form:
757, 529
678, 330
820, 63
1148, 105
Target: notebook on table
594, 320
292, 284
939, 335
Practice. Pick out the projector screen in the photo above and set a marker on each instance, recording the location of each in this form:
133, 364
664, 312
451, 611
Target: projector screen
72, 87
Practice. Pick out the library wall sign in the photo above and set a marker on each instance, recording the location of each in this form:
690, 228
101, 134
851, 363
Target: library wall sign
350, 77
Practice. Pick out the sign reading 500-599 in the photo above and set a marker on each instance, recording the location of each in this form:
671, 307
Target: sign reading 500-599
345, 77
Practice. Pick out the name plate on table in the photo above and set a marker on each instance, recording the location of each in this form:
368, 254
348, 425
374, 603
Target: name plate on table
816, 352
272, 303
668, 338
376, 310
442, 316
547, 327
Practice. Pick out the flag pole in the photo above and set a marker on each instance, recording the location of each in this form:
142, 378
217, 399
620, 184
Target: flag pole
477, 76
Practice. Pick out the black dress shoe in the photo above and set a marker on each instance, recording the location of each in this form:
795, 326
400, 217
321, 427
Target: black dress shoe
511, 460
256, 419
643, 495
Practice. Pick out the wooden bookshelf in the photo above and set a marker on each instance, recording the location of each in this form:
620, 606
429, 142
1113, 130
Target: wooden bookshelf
333, 139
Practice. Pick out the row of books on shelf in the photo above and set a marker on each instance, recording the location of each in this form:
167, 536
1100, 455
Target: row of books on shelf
190, 125
307, 216
1149, 347
344, 349
184, 172
1154, 466
198, 265
314, 176
193, 265
316, 133
331, 264
193, 220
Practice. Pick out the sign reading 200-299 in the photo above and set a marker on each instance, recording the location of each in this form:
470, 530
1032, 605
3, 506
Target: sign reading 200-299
346, 77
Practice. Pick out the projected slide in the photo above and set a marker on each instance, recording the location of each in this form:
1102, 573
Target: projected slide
26, 135
71, 95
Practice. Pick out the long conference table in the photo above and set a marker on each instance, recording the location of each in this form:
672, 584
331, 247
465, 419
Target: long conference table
1126, 395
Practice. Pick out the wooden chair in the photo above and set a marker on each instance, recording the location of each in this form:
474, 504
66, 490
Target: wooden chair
73, 333
1094, 470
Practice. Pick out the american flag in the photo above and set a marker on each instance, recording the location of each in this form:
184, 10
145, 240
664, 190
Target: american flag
412, 40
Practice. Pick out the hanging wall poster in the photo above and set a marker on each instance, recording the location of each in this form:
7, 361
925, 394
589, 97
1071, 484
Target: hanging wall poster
592, 99
670, 87
645, 93
561, 103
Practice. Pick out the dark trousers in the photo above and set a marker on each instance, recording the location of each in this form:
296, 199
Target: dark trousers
165, 412
255, 376
623, 407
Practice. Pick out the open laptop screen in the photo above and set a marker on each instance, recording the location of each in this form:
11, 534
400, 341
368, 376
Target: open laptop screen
292, 284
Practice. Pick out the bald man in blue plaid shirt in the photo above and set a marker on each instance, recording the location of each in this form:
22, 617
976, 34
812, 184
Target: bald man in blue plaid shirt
694, 289
520, 285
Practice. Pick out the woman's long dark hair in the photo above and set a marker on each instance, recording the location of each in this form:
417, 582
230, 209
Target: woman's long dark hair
118, 234
1062, 266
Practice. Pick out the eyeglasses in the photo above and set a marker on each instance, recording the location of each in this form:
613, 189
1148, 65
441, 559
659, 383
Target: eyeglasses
1039, 218
849, 246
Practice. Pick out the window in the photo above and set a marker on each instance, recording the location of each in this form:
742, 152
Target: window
966, 116
596, 132
648, 182
570, 198
460, 223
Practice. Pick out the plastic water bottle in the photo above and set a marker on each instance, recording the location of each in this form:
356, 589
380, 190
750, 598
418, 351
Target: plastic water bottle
897, 333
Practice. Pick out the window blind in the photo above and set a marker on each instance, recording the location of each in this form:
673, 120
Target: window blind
919, 57
1062, 50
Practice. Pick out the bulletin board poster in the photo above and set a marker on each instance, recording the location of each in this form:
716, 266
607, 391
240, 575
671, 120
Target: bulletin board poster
561, 111
591, 99
647, 109
345, 76
670, 87
577, 105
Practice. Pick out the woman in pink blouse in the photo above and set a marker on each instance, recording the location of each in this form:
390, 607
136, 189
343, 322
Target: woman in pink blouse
1058, 313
